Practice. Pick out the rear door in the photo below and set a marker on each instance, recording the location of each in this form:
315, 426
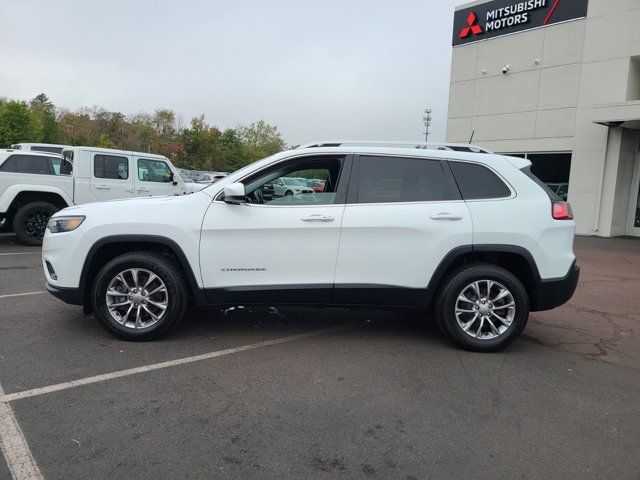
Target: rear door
153, 177
403, 216
111, 176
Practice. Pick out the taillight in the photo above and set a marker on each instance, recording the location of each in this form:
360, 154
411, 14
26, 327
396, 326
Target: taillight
562, 211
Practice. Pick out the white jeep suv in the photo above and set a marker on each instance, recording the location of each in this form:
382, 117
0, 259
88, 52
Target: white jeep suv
474, 236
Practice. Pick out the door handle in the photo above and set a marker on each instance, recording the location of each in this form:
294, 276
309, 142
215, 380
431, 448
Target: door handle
103, 187
445, 216
317, 218
143, 189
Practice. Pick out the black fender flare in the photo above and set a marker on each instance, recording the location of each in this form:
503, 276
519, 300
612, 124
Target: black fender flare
140, 239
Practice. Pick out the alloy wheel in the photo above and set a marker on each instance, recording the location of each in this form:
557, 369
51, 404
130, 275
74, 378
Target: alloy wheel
137, 298
485, 309
35, 223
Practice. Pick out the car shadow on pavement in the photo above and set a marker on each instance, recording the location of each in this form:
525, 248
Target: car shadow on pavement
405, 325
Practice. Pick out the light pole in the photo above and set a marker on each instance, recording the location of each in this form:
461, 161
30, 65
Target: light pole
427, 123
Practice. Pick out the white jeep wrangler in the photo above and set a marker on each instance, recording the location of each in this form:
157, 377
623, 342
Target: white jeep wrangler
471, 234
35, 184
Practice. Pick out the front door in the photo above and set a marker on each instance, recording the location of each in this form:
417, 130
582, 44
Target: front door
403, 216
634, 202
111, 176
277, 248
153, 177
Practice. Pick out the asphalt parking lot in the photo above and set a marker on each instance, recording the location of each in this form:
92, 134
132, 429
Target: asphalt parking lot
322, 393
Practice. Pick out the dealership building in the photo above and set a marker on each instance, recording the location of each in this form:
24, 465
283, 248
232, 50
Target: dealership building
557, 81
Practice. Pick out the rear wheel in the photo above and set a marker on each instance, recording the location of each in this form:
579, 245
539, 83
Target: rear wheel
140, 295
482, 308
30, 222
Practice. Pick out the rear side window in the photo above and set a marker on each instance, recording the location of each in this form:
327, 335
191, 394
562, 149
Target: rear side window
111, 166
399, 179
478, 182
28, 164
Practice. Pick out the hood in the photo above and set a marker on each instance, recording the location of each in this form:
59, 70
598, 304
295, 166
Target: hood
121, 205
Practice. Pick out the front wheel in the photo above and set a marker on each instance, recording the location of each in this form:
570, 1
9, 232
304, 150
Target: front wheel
140, 295
482, 308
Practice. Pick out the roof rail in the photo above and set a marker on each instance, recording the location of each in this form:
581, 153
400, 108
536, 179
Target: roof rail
456, 147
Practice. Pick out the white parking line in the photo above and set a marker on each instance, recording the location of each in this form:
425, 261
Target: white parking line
9, 295
34, 392
20, 253
14, 447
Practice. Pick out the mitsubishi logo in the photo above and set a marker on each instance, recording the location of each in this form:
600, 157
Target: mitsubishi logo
472, 26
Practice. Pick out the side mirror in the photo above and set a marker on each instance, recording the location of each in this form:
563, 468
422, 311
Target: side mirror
235, 194
172, 178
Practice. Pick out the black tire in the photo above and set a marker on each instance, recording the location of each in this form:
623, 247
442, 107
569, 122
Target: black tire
453, 287
167, 269
30, 222
5, 226
287, 193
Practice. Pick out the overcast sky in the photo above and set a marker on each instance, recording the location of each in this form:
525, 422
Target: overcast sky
318, 70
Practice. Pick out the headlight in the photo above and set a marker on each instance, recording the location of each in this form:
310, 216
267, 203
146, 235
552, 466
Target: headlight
64, 224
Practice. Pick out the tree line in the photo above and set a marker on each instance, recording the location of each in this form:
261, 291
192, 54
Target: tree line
198, 146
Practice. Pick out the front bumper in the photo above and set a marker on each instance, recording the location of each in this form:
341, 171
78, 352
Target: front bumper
72, 296
553, 293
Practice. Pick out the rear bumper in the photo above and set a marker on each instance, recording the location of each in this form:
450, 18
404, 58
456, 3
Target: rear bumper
72, 296
553, 293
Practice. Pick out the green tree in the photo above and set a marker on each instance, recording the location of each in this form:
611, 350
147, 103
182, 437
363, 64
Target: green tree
44, 127
43, 102
201, 145
261, 140
231, 151
15, 123
105, 141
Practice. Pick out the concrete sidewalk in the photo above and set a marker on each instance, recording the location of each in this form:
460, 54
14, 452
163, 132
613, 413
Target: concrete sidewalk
602, 320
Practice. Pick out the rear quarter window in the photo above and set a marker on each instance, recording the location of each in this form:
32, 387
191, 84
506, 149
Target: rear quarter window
477, 182
552, 195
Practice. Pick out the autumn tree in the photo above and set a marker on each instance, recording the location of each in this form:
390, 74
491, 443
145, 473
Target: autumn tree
200, 146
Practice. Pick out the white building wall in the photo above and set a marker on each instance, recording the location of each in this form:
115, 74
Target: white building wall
559, 78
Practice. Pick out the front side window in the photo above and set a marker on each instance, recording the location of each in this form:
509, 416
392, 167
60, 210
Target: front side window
289, 183
111, 166
28, 164
154, 171
477, 182
399, 179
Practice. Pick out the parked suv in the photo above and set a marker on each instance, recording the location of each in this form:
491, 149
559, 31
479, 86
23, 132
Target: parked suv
472, 235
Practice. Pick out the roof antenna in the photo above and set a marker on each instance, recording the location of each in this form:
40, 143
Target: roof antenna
471, 139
